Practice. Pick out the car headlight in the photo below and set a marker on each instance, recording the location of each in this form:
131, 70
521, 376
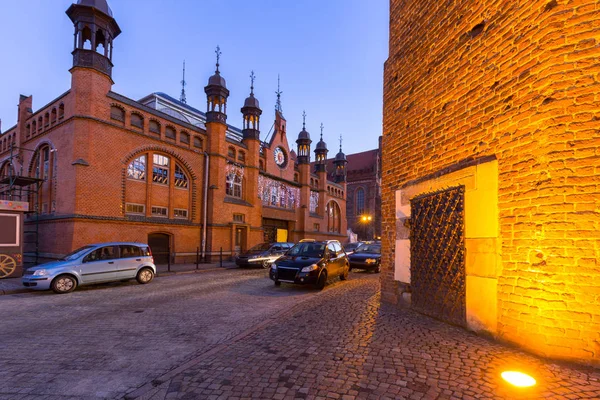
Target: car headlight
40, 272
371, 260
310, 268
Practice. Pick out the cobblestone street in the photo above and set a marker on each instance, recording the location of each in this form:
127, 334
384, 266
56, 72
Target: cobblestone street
232, 334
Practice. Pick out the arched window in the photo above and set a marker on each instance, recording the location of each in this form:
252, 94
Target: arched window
181, 179
170, 132
154, 127
117, 113
53, 116
261, 165
160, 169
360, 201
4, 170
61, 111
28, 131
40, 123
241, 156
231, 152
46, 119
43, 166
333, 217
137, 168
295, 177
137, 120
197, 142
234, 185
33, 127
184, 138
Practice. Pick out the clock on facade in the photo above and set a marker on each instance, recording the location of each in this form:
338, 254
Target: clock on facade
280, 157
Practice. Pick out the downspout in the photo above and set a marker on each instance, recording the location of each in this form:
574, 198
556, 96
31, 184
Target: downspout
204, 217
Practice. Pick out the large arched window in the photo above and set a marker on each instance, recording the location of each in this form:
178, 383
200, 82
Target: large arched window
360, 201
181, 179
234, 185
333, 217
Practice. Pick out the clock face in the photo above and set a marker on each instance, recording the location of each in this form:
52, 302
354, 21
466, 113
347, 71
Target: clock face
279, 156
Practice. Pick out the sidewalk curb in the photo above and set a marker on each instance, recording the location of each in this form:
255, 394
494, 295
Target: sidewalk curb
4, 292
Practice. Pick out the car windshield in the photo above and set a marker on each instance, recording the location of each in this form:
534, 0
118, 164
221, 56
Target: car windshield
307, 249
369, 248
77, 253
351, 246
261, 247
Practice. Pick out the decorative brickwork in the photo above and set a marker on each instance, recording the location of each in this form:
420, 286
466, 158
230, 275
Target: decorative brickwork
518, 81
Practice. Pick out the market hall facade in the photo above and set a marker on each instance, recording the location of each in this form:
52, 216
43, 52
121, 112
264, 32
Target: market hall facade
159, 171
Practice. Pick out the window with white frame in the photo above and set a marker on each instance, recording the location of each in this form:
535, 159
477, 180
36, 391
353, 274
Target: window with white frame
160, 169
160, 211
233, 185
180, 213
133, 208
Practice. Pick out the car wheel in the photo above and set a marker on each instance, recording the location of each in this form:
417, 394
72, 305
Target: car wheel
320, 284
277, 283
64, 284
344, 275
266, 264
145, 275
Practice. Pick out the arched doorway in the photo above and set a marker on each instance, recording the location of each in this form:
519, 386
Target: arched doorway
159, 244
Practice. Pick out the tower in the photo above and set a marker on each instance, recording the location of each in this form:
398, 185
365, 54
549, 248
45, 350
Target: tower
251, 113
303, 143
216, 95
340, 163
321, 154
95, 31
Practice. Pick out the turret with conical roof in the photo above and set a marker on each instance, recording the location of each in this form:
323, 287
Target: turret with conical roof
216, 95
340, 163
251, 112
95, 30
303, 143
321, 154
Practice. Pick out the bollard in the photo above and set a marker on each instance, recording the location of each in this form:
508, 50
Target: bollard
169, 258
197, 256
221, 257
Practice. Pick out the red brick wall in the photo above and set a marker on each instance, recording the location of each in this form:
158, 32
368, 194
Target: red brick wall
518, 80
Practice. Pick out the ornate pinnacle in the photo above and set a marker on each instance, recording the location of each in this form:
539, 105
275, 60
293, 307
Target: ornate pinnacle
218, 52
252, 77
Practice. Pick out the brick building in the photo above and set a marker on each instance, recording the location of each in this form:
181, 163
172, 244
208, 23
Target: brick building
494, 109
363, 197
158, 170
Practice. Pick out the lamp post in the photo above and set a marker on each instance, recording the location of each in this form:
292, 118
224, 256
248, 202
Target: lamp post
367, 219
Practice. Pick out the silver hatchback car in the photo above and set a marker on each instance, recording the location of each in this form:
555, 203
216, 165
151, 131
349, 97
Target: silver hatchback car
95, 263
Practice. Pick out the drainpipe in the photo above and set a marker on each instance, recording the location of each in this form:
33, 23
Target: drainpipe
204, 217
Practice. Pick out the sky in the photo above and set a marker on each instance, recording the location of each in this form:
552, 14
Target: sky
328, 53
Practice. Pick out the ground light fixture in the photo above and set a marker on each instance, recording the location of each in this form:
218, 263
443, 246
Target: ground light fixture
518, 379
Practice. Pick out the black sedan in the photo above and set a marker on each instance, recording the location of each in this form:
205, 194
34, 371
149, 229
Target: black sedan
368, 257
311, 262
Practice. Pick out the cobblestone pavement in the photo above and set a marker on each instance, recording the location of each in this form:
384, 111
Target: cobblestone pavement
232, 334
342, 344
107, 340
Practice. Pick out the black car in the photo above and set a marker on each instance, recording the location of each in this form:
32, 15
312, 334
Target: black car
262, 255
311, 262
351, 247
367, 256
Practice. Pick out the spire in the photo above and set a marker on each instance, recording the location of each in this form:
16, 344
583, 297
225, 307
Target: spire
252, 77
218, 52
303, 120
340, 143
183, 83
322, 131
278, 93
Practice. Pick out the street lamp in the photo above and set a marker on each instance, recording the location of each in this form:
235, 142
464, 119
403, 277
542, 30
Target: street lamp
366, 219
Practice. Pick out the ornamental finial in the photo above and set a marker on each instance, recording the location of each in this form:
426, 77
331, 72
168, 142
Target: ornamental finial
183, 84
218, 52
252, 77
278, 93
340, 143
303, 120
322, 131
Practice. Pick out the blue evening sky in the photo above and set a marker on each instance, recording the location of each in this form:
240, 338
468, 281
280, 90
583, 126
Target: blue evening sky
329, 53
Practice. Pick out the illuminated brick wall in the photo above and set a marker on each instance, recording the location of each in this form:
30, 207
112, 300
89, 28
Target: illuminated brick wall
518, 81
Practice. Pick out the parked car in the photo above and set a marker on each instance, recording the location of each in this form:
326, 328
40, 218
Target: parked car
95, 263
368, 257
351, 247
262, 254
311, 262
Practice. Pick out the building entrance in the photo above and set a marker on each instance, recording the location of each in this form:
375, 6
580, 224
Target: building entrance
437, 251
160, 245
275, 230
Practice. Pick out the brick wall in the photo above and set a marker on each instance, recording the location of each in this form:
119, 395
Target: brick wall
519, 81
